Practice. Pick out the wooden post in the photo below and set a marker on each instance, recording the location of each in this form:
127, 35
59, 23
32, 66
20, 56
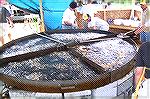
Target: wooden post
105, 14
132, 11
42, 27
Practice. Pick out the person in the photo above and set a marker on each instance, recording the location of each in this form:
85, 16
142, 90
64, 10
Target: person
80, 5
97, 23
144, 28
5, 22
104, 4
69, 17
143, 61
90, 8
109, 5
94, 2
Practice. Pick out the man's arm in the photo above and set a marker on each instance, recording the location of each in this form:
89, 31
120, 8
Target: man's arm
140, 29
138, 73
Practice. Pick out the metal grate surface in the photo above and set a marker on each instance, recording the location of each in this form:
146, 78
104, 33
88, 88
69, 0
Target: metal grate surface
55, 66
46, 59
28, 45
66, 37
111, 53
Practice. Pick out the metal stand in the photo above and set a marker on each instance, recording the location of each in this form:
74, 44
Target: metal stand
4, 93
92, 96
63, 96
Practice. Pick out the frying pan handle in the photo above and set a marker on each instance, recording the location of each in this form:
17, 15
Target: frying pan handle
130, 33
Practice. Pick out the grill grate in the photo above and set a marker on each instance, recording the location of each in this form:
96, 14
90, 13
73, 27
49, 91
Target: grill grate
55, 66
66, 37
26, 46
110, 53
50, 63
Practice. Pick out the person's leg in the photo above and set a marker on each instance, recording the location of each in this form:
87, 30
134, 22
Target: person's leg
144, 36
1, 35
6, 31
84, 24
1, 40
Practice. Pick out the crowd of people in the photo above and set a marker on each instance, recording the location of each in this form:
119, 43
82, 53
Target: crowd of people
90, 22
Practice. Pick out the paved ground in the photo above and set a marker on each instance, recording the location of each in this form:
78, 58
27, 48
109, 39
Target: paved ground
21, 29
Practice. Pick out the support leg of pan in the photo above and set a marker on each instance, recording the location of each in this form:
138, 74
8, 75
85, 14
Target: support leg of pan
92, 93
4, 93
63, 96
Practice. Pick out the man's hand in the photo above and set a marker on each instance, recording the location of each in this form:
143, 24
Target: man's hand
74, 25
138, 74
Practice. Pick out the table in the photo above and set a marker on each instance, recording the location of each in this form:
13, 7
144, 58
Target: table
120, 28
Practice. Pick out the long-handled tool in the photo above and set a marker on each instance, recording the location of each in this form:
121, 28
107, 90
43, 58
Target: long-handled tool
127, 34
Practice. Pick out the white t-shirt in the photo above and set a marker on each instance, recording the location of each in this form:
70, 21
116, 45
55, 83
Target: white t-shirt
99, 23
69, 16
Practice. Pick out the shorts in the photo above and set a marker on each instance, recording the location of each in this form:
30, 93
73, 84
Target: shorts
67, 27
145, 36
4, 29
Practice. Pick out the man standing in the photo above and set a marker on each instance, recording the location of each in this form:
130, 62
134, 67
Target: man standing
69, 17
5, 20
143, 67
144, 28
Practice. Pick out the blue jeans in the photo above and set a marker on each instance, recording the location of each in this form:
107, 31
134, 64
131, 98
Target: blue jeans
68, 27
145, 36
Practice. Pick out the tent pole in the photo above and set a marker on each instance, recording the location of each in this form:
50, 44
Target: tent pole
42, 27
